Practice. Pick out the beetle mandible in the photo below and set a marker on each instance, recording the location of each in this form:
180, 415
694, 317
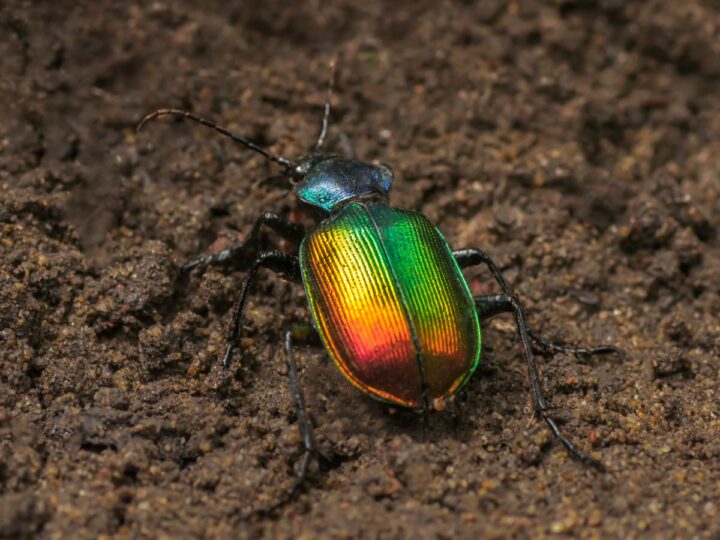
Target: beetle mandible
386, 292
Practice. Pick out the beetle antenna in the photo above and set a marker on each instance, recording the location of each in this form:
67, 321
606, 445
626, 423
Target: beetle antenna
237, 138
326, 114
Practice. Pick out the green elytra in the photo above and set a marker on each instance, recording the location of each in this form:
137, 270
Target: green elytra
391, 304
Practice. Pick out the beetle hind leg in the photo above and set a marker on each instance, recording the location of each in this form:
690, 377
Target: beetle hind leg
310, 448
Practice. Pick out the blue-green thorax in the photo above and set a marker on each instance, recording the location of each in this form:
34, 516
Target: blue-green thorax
328, 181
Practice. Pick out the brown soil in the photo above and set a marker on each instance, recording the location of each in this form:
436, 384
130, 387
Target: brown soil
578, 142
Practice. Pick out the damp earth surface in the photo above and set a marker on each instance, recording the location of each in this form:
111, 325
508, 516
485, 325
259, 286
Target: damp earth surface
578, 143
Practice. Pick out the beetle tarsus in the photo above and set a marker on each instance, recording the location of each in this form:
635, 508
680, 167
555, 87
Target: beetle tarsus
572, 450
490, 305
552, 348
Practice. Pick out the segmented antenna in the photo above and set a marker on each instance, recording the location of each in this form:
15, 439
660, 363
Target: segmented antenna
289, 165
326, 114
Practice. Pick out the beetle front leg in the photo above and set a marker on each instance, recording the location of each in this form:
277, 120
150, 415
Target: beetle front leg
293, 232
468, 257
278, 262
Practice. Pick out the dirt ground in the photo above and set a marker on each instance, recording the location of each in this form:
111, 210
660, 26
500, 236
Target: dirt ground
578, 142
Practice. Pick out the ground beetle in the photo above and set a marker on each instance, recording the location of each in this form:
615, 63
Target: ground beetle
387, 295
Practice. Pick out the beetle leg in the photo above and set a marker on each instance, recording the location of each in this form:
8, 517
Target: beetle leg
293, 232
494, 304
306, 430
471, 256
490, 305
552, 348
278, 262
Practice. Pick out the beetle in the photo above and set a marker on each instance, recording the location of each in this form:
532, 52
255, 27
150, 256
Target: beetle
385, 290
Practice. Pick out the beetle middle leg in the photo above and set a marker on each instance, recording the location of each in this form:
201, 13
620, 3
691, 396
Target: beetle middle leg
306, 430
293, 232
278, 262
470, 257
495, 304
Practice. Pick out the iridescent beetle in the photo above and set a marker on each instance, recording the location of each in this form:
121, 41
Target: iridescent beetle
387, 295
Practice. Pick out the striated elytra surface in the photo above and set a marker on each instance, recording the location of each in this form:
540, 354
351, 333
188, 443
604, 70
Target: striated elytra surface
390, 303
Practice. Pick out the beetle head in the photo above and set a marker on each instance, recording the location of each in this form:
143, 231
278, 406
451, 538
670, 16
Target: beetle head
327, 181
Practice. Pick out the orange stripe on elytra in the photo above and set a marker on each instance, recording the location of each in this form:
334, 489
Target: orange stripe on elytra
360, 310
